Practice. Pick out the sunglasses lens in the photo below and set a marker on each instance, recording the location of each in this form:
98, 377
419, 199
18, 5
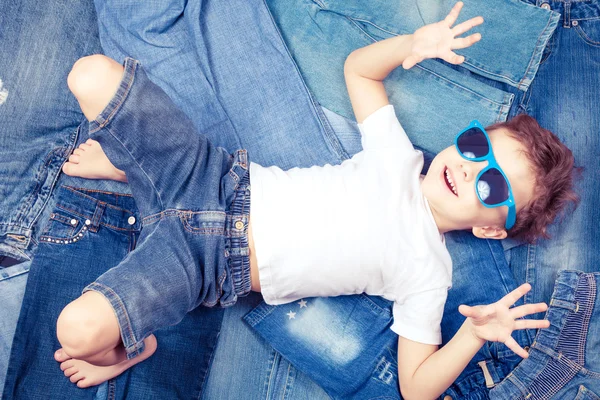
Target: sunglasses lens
472, 143
492, 187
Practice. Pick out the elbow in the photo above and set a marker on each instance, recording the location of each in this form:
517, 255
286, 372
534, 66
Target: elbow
409, 392
349, 64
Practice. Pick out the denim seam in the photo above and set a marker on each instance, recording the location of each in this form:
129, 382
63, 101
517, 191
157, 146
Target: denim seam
138, 165
329, 137
539, 49
451, 83
129, 84
101, 223
77, 191
585, 38
135, 345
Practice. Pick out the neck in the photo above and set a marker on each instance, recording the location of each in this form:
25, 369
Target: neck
442, 224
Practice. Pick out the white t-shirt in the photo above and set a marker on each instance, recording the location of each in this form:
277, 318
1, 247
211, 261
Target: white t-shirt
361, 226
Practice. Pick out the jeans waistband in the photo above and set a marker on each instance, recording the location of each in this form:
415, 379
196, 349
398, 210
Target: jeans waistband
236, 226
558, 352
571, 9
113, 210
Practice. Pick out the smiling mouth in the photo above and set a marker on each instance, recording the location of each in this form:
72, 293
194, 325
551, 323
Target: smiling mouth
450, 182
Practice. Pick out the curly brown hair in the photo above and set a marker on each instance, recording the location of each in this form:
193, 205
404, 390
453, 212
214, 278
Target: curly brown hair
553, 166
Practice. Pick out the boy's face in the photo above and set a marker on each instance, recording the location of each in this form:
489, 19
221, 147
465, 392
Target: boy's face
460, 208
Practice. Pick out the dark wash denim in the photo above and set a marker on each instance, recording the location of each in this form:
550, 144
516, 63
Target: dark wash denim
563, 98
194, 199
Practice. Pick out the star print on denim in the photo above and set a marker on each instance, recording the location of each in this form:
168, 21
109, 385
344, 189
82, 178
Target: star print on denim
291, 315
302, 303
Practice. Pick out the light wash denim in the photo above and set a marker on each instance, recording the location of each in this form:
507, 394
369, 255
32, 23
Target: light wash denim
321, 34
563, 362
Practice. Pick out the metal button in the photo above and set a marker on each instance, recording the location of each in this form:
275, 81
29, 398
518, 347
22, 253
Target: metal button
575, 23
545, 6
73, 221
239, 225
131, 220
526, 348
87, 222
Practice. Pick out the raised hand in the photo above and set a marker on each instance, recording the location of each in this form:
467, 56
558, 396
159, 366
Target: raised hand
495, 322
439, 40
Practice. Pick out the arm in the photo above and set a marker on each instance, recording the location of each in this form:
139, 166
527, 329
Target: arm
367, 67
425, 372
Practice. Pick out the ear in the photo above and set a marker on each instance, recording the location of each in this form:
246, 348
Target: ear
487, 232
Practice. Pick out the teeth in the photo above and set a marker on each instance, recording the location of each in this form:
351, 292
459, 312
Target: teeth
451, 182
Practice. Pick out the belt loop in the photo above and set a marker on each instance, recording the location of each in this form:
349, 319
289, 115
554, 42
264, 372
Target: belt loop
489, 382
97, 216
567, 15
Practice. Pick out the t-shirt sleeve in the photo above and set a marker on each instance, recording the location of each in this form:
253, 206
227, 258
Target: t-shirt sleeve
419, 317
383, 130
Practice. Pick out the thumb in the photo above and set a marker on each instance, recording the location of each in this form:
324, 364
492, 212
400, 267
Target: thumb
410, 62
467, 311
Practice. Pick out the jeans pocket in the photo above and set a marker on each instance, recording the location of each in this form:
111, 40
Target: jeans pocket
64, 227
585, 394
589, 31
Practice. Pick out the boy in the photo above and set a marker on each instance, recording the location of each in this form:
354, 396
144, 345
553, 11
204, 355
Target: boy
368, 225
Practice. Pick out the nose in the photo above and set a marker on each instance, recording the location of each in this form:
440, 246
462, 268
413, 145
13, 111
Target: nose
469, 170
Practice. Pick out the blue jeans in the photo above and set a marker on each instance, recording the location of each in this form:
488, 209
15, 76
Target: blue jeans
563, 361
194, 201
32, 373
560, 98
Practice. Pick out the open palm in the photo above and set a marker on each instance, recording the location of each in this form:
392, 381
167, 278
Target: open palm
439, 40
495, 322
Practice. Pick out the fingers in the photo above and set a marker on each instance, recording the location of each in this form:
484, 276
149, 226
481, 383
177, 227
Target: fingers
411, 61
527, 309
453, 15
476, 312
462, 43
515, 295
467, 25
532, 324
453, 58
514, 346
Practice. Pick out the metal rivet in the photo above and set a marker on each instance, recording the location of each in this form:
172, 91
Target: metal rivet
87, 222
575, 23
131, 220
73, 221
239, 225
545, 6
81, 234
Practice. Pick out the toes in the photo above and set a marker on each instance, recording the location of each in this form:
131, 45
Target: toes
74, 158
66, 364
60, 355
84, 383
69, 169
76, 377
70, 371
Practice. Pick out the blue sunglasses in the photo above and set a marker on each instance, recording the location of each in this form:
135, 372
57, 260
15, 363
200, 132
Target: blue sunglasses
492, 186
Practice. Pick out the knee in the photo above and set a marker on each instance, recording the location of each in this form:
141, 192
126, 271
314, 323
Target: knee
78, 331
89, 74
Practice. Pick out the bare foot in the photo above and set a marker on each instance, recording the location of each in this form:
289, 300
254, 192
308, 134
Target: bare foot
89, 161
85, 374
